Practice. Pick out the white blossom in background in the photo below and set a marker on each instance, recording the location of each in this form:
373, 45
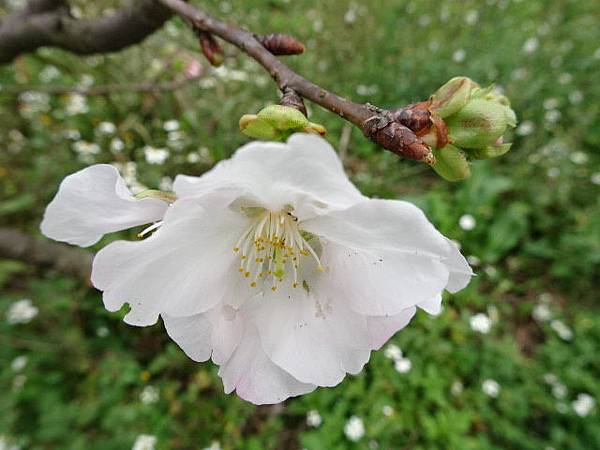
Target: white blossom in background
48, 74
354, 429
86, 151
595, 178
456, 388
144, 442
471, 17
459, 55
552, 116
467, 222
403, 365
579, 158
563, 331
77, 104
21, 311
531, 45
19, 363
559, 390
86, 81
116, 145
106, 128
272, 264
541, 312
72, 134
525, 128
149, 395
583, 404
551, 103
155, 155
575, 97
480, 323
491, 388
166, 184
33, 102
5, 444
388, 411
171, 125
550, 378
102, 332
392, 351
313, 418
214, 445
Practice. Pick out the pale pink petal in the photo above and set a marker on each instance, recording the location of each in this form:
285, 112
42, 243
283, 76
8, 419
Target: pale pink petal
384, 256
255, 377
317, 341
382, 328
305, 173
93, 202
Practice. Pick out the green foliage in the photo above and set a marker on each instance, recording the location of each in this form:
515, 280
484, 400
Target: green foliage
534, 234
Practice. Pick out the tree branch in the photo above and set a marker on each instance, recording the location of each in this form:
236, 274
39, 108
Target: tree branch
17, 245
48, 23
378, 125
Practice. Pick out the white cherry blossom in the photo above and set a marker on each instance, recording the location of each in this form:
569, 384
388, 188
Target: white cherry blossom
272, 264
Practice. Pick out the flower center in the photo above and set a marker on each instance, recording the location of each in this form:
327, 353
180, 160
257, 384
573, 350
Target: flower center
272, 247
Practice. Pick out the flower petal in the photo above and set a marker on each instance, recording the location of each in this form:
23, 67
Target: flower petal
432, 306
382, 328
255, 377
316, 340
306, 167
187, 266
460, 271
192, 334
384, 256
93, 202
215, 333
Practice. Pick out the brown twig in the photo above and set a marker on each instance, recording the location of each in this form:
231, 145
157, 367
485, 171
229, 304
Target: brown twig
48, 23
375, 123
15, 244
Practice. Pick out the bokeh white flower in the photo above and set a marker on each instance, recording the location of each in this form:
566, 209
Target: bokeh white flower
583, 404
480, 323
392, 351
272, 264
19, 363
491, 388
21, 311
149, 395
467, 222
313, 418
354, 429
155, 155
144, 442
403, 365
563, 331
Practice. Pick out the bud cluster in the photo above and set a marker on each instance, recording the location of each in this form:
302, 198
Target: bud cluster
277, 123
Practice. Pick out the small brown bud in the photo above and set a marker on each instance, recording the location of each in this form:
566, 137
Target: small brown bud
211, 48
416, 117
281, 44
292, 99
398, 139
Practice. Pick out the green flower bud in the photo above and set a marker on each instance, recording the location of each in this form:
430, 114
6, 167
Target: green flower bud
491, 151
451, 163
452, 96
277, 122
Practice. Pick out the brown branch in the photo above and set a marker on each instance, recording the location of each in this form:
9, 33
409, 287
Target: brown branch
106, 89
48, 23
378, 125
15, 244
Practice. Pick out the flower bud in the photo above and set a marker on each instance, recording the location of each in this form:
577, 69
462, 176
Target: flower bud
277, 122
451, 163
476, 118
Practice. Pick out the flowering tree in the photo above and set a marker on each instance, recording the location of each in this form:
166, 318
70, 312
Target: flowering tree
272, 264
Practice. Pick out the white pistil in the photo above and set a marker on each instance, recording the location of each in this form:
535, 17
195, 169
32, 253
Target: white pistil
271, 247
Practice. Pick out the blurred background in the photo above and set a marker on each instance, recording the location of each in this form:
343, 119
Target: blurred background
511, 362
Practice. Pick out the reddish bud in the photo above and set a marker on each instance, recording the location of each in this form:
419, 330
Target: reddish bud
211, 48
281, 44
